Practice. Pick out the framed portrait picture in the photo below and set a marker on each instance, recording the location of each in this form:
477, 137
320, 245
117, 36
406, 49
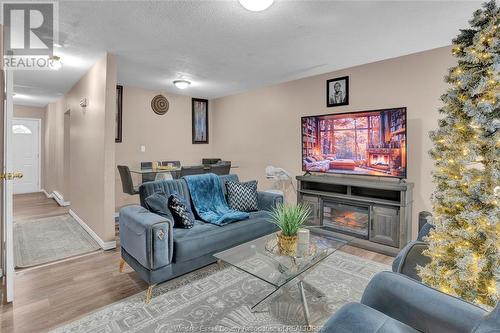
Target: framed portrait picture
118, 114
337, 91
200, 120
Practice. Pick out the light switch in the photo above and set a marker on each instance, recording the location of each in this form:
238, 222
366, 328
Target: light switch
143, 149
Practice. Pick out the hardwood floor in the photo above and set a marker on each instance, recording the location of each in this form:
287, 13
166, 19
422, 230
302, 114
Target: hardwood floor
51, 295
36, 205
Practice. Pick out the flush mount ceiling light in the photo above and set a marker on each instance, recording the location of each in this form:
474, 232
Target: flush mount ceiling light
55, 63
182, 84
256, 5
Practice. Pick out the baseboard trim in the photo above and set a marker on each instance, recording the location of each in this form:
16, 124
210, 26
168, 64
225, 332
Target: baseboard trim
60, 199
104, 245
46, 193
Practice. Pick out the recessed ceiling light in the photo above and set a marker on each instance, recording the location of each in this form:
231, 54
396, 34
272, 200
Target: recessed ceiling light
256, 5
57, 45
55, 63
182, 84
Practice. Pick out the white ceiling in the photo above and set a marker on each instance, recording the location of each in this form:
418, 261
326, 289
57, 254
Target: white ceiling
224, 49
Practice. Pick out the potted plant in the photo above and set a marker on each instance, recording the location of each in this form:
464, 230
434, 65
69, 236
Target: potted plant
289, 218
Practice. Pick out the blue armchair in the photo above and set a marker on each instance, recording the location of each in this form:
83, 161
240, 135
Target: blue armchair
411, 255
393, 302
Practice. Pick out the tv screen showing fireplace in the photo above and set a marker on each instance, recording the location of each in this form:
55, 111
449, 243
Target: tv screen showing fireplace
359, 143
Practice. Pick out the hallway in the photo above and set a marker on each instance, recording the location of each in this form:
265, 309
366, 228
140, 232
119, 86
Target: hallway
36, 205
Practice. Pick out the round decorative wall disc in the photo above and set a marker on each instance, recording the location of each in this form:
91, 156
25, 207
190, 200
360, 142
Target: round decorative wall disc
159, 104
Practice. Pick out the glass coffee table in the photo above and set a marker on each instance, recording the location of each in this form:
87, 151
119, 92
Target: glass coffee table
261, 258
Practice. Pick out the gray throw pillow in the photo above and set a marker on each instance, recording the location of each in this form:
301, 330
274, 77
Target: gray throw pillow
157, 203
242, 196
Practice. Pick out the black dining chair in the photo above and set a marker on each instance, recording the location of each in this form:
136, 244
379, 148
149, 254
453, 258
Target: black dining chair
147, 177
210, 161
176, 164
192, 170
221, 168
127, 184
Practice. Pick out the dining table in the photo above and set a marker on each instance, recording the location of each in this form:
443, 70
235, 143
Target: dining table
162, 170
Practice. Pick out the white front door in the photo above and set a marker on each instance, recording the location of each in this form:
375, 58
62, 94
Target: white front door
26, 154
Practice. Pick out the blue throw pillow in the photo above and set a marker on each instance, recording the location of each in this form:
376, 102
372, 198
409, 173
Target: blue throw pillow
183, 216
157, 203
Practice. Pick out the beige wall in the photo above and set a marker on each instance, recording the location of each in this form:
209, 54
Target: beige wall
21, 111
56, 179
166, 137
262, 127
90, 180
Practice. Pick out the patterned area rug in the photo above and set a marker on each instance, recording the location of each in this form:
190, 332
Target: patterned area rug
216, 299
49, 239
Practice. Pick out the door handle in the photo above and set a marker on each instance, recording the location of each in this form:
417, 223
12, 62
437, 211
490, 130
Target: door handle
11, 175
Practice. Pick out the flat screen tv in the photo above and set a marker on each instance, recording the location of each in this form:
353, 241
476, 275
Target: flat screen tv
369, 143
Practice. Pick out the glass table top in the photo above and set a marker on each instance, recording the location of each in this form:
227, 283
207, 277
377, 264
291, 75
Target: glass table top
146, 171
262, 259
150, 170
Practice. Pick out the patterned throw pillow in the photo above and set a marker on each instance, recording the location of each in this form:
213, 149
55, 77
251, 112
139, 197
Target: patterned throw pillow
242, 196
183, 216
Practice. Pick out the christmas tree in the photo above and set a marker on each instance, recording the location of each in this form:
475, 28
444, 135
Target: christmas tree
464, 247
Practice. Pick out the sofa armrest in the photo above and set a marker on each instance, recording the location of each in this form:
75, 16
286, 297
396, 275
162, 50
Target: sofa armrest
419, 306
359, 318
146, 236
409, 258
268, 200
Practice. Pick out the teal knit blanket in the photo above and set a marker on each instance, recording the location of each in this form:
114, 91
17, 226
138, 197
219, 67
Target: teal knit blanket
209, 201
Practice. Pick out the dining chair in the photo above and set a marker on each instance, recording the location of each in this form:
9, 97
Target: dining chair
221, 168
176, 164
192, 170
147, 177
210, 161
127, 184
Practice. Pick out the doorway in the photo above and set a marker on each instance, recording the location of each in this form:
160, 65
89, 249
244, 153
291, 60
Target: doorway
26, 143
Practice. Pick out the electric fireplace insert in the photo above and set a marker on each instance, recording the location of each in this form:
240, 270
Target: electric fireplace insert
346, 218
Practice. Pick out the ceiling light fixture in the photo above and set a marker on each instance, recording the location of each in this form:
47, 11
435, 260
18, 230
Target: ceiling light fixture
256, 5
55, 63
182, 84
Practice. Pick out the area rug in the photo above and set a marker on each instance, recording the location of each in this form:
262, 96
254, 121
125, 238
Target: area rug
215, 299
49, 239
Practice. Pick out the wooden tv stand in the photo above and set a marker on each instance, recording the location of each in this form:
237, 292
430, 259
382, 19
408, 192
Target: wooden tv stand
373, 214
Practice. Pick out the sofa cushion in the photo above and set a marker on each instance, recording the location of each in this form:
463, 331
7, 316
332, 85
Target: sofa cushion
359, 318
183, 216
224, 178
167, 187
206, 238
157, 203
242, 196
489, 323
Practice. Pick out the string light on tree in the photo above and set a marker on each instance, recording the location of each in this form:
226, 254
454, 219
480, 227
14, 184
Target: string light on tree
464, 246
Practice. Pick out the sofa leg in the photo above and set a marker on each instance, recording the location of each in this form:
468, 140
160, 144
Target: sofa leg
149, 294
122, 263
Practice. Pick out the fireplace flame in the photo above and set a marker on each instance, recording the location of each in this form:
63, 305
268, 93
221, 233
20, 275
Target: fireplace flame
379, 159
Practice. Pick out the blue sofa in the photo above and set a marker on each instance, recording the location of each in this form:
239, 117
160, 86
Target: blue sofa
159, 252
395, 303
